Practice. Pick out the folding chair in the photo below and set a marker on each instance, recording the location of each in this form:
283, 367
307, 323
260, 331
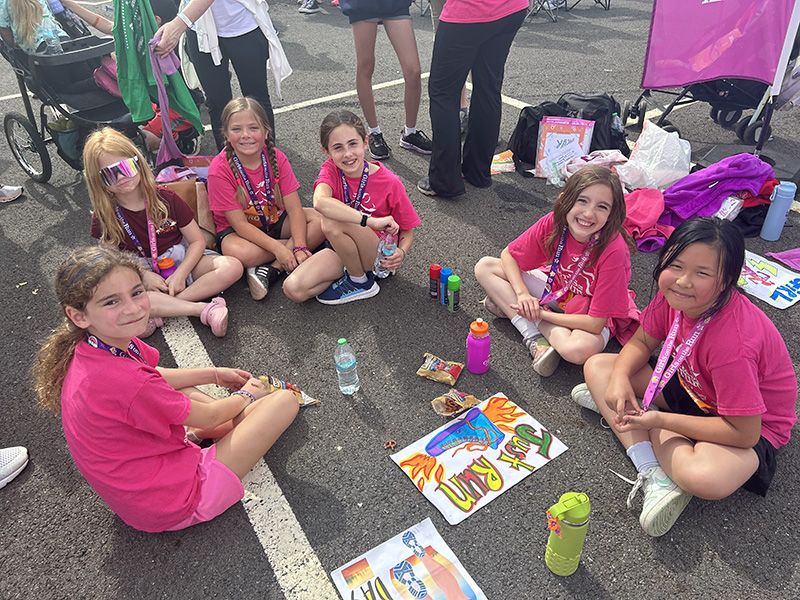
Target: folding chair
606, 4
549, 6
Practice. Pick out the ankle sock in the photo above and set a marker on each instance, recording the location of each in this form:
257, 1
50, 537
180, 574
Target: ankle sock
642, 456
528, 329
409, 130
360, 279
372, 130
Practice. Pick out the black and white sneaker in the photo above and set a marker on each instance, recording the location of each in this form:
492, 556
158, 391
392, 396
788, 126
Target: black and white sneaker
378, 148
417, 141
309, 7
260, 278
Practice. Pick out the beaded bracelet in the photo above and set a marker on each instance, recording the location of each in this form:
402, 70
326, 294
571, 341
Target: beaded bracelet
245, 393
404, 255
305, 250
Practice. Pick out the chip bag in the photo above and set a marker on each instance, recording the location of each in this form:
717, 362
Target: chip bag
440, 370
453, 402
274, 384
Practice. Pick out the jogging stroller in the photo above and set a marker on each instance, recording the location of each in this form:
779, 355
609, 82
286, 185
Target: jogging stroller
731, 55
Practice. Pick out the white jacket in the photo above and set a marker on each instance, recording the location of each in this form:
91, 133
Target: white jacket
207, 41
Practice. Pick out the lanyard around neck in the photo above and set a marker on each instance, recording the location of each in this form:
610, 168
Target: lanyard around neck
660, 375
562, 242
362, 185
132, 352
252, 193
151, 234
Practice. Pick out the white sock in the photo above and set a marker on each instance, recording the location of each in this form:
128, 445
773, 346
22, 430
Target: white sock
409, 130
528, 329
372, 130
642, 456
360, 279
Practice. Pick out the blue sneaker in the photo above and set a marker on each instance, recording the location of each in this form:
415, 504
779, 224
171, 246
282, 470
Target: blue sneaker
346, 290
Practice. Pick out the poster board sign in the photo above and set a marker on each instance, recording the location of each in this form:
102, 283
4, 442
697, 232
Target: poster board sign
560, 140
769, 281
467, 463
416, 563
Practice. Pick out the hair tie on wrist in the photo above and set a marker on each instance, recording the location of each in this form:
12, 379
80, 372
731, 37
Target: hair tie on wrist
404, 254
305, 250
96, 21
216, 376
245, 393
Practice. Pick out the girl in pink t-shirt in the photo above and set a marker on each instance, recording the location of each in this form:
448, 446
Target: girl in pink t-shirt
124, 417
723, 383
359, 202
564, 282
252, 192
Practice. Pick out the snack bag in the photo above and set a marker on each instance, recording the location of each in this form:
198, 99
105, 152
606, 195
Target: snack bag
440, 370
273, 384
453, 402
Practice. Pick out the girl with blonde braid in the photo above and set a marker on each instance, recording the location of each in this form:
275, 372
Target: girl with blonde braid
252, 192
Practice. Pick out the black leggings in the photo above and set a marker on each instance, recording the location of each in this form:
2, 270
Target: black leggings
248, 53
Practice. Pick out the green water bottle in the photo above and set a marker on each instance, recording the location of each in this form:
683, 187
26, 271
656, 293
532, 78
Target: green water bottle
567, 521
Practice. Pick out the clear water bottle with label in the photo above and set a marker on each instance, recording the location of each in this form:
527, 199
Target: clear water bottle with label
386, 247
50, 31
345, 360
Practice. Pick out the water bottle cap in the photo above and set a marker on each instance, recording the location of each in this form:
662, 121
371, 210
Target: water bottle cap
786, 189
166, 263
572, 506
341, 341
453, 282
479, 327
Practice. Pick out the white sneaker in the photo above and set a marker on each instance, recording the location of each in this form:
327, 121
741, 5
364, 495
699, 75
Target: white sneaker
545, 357
583, 397
10, 192
12, 461
663, 503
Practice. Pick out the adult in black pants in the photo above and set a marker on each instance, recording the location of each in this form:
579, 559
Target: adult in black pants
460, 47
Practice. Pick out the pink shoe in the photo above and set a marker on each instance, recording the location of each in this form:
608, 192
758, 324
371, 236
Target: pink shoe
215, 315
334, 2
152, 324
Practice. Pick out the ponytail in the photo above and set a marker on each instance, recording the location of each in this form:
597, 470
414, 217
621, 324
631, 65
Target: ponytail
52, 361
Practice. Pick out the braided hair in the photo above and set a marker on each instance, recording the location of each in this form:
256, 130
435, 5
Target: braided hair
250, 104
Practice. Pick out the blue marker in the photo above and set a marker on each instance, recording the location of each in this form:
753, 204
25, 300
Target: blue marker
443, 277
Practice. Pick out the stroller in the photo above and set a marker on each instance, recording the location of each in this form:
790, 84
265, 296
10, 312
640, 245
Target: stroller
733, 65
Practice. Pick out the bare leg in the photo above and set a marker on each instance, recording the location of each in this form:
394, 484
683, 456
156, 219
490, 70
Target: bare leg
211, 275
490, 274
573, 345
356, 246
313, 276
364, 35
256, 432
401, 34
164, 305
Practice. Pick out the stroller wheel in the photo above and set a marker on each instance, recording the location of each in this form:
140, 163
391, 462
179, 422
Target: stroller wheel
741, 126
728, 118
626, 112
28, 147
670, 128
714, 114
753, 133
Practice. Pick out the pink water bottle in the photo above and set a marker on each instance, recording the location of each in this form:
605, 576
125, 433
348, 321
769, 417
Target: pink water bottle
478, 342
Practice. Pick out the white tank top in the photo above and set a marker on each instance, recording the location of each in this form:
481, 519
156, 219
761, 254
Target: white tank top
232, 18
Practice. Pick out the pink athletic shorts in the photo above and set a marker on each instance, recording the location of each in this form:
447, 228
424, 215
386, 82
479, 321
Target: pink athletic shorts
220, 489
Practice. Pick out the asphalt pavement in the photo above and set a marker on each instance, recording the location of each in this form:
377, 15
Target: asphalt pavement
333, 477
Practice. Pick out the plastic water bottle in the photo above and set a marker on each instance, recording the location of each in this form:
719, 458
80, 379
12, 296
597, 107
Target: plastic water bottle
616, 123
782, 197
568, 521
478, 345
386, 247
345, 360
50, 32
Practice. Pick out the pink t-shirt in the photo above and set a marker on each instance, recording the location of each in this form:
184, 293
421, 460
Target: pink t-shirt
122, 421
384, 193
480, 11
222, 189
599, 291
739, 366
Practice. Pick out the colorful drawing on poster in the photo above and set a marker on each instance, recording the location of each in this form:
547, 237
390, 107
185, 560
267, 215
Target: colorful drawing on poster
464, 465
769, 281
414, 565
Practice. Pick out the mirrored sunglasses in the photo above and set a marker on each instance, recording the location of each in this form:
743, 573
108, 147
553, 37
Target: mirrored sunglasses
124, 168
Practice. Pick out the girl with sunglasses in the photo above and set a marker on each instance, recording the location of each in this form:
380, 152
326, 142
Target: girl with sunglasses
132, 214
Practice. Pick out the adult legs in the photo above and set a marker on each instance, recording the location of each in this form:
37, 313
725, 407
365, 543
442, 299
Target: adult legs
364, 34
248, 54
485, 105
216, 82
454, 51
401, 34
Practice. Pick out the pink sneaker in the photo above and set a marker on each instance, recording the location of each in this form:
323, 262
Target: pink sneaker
215, 315
152, 324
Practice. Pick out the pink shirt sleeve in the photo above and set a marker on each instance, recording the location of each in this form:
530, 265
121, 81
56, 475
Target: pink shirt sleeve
329, 174
612, 276
288, 181
402, 210
528, 249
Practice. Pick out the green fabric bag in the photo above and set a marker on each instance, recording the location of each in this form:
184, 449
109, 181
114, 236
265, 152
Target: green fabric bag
134, 27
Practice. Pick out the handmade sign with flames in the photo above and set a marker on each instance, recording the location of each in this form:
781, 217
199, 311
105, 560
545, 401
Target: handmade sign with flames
467, 463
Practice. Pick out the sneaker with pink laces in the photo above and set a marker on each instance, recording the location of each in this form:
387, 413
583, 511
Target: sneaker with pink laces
153, 323
545, 357
215, 315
